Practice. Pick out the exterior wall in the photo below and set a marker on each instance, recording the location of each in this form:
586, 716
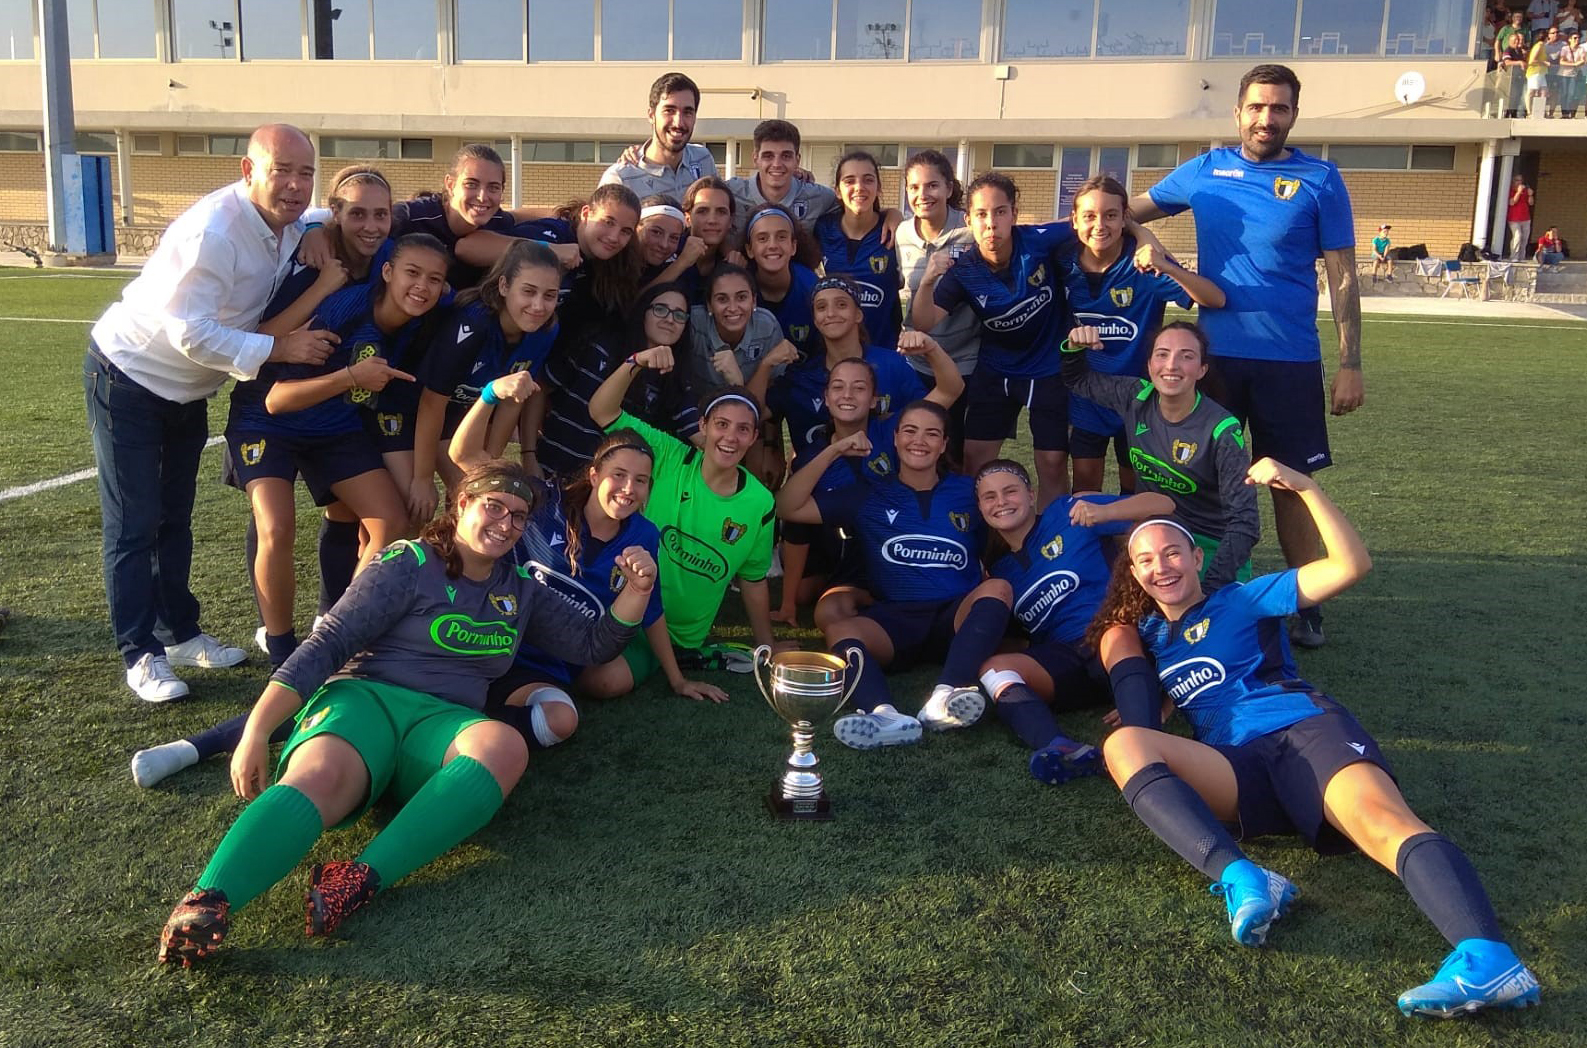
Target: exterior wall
552, 184
1562, 198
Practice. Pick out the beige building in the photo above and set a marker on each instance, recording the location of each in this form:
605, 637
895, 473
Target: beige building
1048, 90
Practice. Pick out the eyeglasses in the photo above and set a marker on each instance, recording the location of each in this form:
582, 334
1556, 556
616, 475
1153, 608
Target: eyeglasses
661, 311
497, 510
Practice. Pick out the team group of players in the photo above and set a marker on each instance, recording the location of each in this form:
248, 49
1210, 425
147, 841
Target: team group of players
647, 349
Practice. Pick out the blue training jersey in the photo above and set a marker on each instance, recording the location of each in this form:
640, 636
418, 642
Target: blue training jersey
590, 591
1260, 228
918, 545
796, 310
1226, 663
872, 267
850, 469
1061, 572
799, 393
1024, 315
1124, 305
428, 215
470, 350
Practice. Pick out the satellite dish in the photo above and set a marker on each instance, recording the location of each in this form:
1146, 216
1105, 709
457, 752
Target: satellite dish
1410, 87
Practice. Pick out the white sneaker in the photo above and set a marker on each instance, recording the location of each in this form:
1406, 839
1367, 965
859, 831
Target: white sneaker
951, 707
867, 731
152, 679
204, 652
259, 640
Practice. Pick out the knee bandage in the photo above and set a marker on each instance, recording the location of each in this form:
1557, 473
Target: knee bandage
536, 704
994, 681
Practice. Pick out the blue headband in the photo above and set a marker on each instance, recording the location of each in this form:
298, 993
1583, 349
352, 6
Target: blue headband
765, 212
843, 284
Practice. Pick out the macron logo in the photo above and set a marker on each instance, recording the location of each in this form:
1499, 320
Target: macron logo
892, 515
1228, 172
463, 331
556, 540
1358, 747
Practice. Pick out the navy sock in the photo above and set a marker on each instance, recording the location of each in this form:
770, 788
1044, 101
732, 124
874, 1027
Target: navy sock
871, 691
1136, 693
279, 646
975, 642
1181, 819
338, 559
1030, 718
250, 545
1312, 615
223, 737
1444, 885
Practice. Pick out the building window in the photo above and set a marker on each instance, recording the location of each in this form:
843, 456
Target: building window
1432, 158
886, 154
796, 31
1157, 154
951, 152
347, 148
707, 30
340, 32
130, 29
16, 30
1370, 157
561, 31
1428, 27
634, 30
1341, 27
1142, 27
269, 32
1048, 28
227, 145
1022, 154
147, 144
718, 151
19, 142
611, 152
101, 143
80, 28
405, 30
560, 152
870, 30
1253, 28
418, 149
1114, 161
489, 30
948, 30
191, 145
204, 28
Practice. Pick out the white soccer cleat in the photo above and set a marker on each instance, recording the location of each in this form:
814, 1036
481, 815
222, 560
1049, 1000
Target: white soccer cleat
951, 707
259, 640
869, 731
205, 653
152, 679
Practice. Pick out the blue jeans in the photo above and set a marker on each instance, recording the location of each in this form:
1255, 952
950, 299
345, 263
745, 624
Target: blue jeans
147, 449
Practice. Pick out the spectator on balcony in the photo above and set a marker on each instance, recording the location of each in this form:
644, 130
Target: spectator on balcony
1573, 81
1512, 70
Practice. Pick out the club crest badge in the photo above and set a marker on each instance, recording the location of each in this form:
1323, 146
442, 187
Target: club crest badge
1122, 296
961, 521
881, 465
879, 263
1054, 549
251, 453
390, 425
507, 604
1286, 188
1195, 633
1183, 451
616, 582
798, 332
312, 721
732, 531
1038, 278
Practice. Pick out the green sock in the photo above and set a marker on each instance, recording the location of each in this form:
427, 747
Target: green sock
269, 838
458, 800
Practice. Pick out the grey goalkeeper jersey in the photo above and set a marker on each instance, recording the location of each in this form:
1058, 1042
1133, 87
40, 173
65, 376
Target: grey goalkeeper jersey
402, 621
1200, 461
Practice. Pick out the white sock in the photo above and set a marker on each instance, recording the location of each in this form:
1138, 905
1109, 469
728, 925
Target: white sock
160, 762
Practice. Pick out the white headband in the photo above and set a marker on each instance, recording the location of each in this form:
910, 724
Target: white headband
754, 408
1166, 523
661, 209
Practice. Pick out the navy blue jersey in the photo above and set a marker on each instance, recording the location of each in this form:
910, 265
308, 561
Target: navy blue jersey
872, 267
850, 470
799, 394
589, 591
470, 350
918, 545
1227, 666
1061, 572
1260, 228
1124, 305
1024, 315
795, 311
428, 215
301, 276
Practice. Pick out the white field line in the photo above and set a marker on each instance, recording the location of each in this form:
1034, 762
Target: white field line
44, 320
23, 491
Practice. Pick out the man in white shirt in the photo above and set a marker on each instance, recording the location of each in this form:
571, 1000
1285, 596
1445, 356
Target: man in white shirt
668, 163
183, 327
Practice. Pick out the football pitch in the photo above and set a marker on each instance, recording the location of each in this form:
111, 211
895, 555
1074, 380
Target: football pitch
634, 892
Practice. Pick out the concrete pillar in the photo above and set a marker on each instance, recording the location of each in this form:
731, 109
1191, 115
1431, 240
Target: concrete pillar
124, 173
515, 171
961, 163
60, 128
1482, 220
1501, 204
732, 155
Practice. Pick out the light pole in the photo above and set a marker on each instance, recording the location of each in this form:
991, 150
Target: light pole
223, 30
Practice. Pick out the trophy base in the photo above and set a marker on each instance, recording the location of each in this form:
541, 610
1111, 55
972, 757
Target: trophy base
800, 809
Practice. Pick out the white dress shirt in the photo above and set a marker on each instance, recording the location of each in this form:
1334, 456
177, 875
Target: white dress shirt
187, 322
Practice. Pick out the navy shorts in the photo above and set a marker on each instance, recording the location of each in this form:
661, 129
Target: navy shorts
1281, 776
1088, 444
920, 630
321, 461
520, 674
1284, 407
993, 404
391, 430
1078, 678
832, 554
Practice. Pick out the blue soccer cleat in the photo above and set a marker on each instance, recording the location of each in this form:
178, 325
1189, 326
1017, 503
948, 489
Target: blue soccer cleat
1255, 904
1479, 973
1058, 762
869, 731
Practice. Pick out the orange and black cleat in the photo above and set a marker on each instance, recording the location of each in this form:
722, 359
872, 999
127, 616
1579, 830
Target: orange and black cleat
336, 889
195, 928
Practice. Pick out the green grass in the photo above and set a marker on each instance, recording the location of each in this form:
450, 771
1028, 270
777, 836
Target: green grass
632, 892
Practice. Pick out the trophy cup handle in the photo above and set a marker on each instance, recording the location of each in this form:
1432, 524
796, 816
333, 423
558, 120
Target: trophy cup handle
762, 657
857, 661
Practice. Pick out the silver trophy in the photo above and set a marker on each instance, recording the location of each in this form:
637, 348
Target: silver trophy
806, 688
